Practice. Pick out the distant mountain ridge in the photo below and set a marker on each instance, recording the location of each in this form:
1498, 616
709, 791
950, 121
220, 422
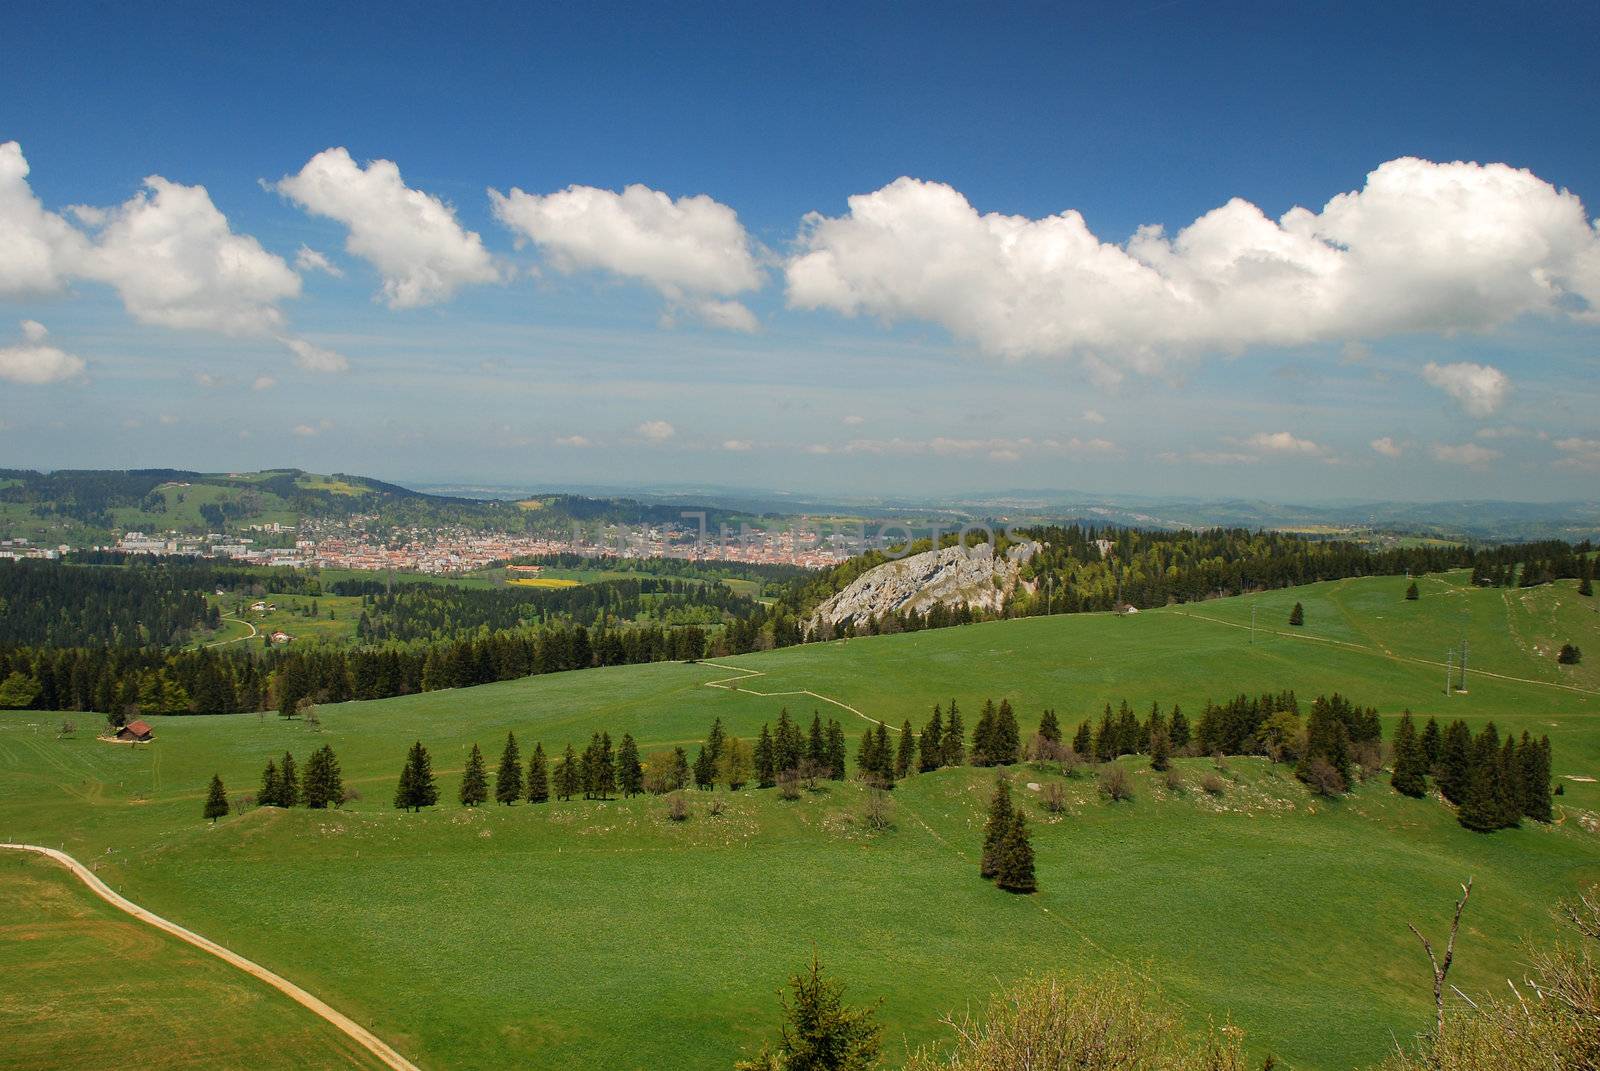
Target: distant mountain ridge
90, 505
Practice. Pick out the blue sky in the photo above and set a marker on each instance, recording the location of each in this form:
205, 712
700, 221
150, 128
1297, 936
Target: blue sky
1428, 335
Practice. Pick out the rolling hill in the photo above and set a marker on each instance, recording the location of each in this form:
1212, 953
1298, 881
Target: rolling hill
585, 934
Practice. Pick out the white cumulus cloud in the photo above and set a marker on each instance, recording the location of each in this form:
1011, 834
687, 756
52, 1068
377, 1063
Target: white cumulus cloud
264, 383
1578, 453
35, 361
315, 358
1478, 388
1421, 247
692, 250
39, 250
575, 441
168, 252
1464, 454
412, 238
1387, 447
657, 431
309, 260
175, 261
737, 446
1281, 442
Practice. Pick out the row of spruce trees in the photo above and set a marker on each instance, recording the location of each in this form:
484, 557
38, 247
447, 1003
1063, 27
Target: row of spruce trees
1493, 785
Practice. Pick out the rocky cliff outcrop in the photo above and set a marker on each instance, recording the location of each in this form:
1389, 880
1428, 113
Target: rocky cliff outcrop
956, 576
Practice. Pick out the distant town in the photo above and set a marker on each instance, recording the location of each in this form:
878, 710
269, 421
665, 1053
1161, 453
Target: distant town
351, 544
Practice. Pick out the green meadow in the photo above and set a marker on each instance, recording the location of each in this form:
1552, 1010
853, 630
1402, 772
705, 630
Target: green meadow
601, 934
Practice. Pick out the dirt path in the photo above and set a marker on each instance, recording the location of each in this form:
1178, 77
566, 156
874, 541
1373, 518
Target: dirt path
254, 632
728, 684
355, 1031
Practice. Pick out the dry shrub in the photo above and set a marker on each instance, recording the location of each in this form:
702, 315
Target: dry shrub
241, 800
1174, 780
1323, 778
1043, 749
879, 812
350, 795
1369, 760
1054, 798
1115, 784
677, 807
1213, 785
1072, 763
789, 784
716, 807
1112, 1023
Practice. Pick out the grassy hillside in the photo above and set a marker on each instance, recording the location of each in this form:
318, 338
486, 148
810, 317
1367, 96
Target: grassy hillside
137, 997
601, 934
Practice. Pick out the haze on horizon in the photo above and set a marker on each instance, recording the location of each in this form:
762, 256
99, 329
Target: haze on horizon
1144, 252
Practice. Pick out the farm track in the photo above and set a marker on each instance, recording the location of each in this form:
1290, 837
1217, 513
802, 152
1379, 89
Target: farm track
341, 1022
254, 632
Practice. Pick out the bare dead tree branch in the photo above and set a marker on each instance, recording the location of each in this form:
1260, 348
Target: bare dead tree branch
1441, 969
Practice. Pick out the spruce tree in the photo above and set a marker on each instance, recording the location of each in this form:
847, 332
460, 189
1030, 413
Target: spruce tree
1014, 858
1586, 583
1297, 616
1431, 741
567, 777
983, 742
1160, 745
715, 740
820, 1032
1083, 740
1482, 808
538, 776
1105, 738
289, 784
630, 772
271, 786
836, 760
417, 788
679, 776
474, 780
786, 744
1455, 762
605, 771
508, 779
1007, 740
817, 742
905, 759
1412, 594
884, 754
932, 742
1179, 729
1409, 777
705, 769
1326, 739
1512, 796
216, 800
1049, 727
955, 738
1535, 758
996, 827
766, 760
323, 784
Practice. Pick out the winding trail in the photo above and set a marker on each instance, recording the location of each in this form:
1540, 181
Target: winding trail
254, 632
729, 684
349, 1027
